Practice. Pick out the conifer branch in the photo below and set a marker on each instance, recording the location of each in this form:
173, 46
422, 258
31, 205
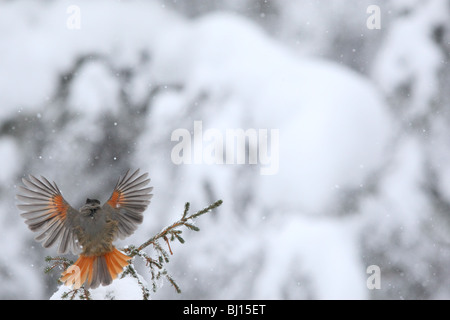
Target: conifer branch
182, 222
173, 283
155, 265
132, 271
168, 234
62, 262
83, 294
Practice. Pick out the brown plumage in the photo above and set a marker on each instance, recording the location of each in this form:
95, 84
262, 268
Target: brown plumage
90, 230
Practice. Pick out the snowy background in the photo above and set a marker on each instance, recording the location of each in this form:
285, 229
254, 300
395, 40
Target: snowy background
364, 138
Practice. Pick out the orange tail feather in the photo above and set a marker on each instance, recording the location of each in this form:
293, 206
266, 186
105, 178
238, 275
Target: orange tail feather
95, 270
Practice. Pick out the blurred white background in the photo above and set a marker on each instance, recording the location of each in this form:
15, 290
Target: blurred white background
362, 114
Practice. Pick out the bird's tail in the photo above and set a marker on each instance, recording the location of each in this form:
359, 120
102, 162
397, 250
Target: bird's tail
95, 270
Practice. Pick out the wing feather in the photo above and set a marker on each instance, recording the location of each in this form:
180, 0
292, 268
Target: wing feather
128, 201
46, 212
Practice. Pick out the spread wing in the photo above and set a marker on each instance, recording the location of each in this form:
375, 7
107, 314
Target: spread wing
46, 212
128, 201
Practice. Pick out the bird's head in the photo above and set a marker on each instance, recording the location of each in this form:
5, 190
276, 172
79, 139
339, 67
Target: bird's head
90, 207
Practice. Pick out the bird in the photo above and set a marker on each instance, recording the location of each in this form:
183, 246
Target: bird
90, 231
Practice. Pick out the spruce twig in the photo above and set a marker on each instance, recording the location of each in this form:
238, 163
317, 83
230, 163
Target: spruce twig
182, 222
155, 265
168, 234
62, 262
132, 271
